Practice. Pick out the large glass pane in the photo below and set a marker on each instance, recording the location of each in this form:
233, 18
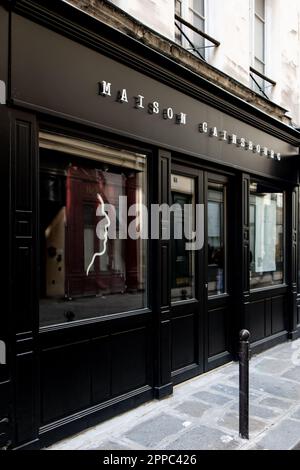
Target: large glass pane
198, 40
259, 84
196, 18
178, 7
216, 239
259, 39
266, 236
198, 6
178, 11
85, 271
260, 67
183, 222
260, 8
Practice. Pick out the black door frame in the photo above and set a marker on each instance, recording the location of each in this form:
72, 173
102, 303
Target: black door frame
221, 303
190, 313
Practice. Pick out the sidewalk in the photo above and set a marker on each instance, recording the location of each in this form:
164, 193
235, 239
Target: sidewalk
203, 412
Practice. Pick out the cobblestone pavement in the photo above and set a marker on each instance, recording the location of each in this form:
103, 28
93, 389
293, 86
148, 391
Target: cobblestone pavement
203, 412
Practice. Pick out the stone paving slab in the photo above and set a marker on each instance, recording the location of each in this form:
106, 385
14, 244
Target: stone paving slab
193, 408
202, 413
263, 412
276, 403
283, 436
203, 438
293, 374
272, 366
212, 398
296, 415
149, 433
231, 421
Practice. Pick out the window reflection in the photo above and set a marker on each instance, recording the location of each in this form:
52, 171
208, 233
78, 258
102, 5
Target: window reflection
69, 219
216, 239
266, 236
183, 275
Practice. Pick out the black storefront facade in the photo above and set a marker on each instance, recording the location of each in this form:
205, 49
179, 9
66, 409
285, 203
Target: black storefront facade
91, 111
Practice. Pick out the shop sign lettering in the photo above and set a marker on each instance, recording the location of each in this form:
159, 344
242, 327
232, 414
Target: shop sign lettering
181, 118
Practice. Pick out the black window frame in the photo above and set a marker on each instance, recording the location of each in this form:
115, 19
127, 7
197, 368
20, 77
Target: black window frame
275, 189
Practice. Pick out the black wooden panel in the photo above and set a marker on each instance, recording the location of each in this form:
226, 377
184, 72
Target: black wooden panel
161, 280
165, 275
165, 351
4, 41
256, 319
164, 174
183, 341
23, 165
101, 369
4, 433
4, 398
298, 315
245, 233
246, 253
294, 260
164, 198
246, 182
23, 187
5, 317
217, 331
268, 316
298, 237
26, 411
23, 224
24, 190
292, 210
65, 380
278, 314
129, 360
5, 413
22, 301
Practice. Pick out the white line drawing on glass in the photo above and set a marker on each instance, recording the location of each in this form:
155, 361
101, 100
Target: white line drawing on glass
106, 226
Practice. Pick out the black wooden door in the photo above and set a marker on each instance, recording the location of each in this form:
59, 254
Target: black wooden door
200, 279
188, 284
219, 229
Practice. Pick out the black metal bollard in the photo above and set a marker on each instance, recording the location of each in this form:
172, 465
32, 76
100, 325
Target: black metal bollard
244, 384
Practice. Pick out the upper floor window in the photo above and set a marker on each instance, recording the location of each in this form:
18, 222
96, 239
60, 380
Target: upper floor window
260, 82
259, 35
190, 25
197, 18
192, 12
178, 12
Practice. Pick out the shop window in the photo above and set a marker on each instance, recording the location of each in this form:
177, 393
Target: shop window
183, 223
83, 272
216, 239
266, 236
